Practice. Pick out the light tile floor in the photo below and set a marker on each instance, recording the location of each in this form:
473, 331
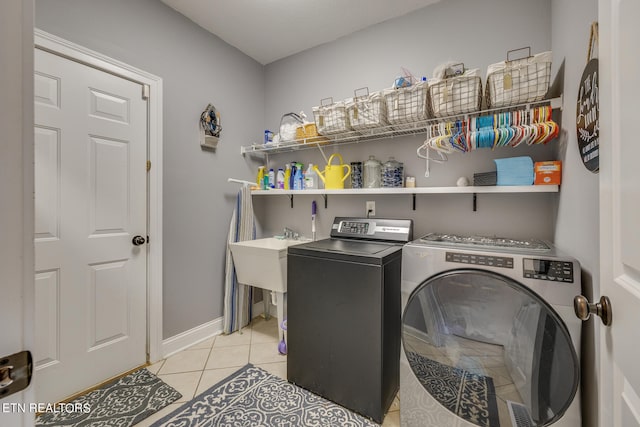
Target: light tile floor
198, 368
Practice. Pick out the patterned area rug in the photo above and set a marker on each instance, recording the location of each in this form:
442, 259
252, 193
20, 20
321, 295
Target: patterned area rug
254, 397
470, 396
122, 403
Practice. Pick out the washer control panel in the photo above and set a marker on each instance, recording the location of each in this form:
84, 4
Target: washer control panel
486, 260
354, 227
382, 229
545, 269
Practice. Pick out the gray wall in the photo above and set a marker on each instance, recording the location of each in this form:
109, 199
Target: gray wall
197, 68
577, 222
449, 30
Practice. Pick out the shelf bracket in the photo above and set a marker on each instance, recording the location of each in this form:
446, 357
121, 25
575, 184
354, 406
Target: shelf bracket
325, 197
475, 202
414, 201
291, 200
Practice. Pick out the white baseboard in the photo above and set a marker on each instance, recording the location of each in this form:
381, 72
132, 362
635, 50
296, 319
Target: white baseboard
186, 339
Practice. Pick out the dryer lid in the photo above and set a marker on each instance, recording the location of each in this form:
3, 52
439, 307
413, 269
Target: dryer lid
485, 242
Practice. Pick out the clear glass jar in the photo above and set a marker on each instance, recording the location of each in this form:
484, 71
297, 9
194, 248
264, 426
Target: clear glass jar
392, 173
372, 173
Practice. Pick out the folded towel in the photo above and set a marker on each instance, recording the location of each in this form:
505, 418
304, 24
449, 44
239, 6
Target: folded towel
515, 171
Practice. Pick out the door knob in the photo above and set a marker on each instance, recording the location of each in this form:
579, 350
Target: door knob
15, 373
138, 240
584, 309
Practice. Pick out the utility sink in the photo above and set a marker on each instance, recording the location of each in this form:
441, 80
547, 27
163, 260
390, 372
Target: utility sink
263, 262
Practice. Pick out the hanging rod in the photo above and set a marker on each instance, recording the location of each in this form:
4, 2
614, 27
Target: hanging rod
241, 181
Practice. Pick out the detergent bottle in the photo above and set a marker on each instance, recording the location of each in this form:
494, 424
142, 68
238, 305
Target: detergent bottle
287, 177
298, 183
272, 178
310, 178
260, 176
280, 179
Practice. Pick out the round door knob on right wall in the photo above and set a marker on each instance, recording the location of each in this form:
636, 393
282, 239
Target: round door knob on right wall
138, 240
584, 309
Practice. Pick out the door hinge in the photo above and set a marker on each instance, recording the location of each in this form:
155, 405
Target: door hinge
145, 92
148, 165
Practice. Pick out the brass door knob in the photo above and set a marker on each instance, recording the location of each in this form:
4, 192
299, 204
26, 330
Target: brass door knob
584, 309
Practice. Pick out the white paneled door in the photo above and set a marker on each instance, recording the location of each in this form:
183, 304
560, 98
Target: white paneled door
90, 202
619, 380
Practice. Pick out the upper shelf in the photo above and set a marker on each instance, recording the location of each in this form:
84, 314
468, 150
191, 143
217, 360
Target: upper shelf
383, 132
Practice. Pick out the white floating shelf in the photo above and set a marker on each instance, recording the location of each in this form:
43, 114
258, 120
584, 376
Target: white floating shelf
417, 190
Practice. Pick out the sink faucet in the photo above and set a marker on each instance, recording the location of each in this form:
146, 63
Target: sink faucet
291, 234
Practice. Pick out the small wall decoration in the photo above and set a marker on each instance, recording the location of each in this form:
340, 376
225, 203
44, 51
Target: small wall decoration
210, 127
587, 110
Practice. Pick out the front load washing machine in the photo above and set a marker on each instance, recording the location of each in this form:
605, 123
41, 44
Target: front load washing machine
489, 335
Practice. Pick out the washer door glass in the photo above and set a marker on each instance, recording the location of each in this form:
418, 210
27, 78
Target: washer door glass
489, 349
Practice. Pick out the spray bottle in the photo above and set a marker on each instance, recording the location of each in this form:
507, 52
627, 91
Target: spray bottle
293, 175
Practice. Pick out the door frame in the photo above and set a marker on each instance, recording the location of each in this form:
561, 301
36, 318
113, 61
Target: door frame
74, 52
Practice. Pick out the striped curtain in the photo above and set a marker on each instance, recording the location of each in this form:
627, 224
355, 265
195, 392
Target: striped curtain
238, 297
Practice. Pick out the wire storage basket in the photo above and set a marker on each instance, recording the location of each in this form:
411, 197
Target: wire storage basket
407, 105
518, 81
455, 95
367, 111
308, 133
331, 117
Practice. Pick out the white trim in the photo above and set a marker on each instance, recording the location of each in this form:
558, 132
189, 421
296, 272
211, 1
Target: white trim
54, 44
193, 336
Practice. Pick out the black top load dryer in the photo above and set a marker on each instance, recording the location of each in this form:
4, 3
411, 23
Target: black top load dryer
343, 308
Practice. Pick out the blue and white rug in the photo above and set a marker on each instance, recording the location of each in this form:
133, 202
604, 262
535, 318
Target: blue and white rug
122, 403
468, 395
254, 397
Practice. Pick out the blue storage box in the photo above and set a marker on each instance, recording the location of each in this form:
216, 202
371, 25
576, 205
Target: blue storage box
515, 171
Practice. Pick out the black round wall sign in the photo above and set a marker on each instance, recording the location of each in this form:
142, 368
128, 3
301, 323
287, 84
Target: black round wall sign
587, 113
